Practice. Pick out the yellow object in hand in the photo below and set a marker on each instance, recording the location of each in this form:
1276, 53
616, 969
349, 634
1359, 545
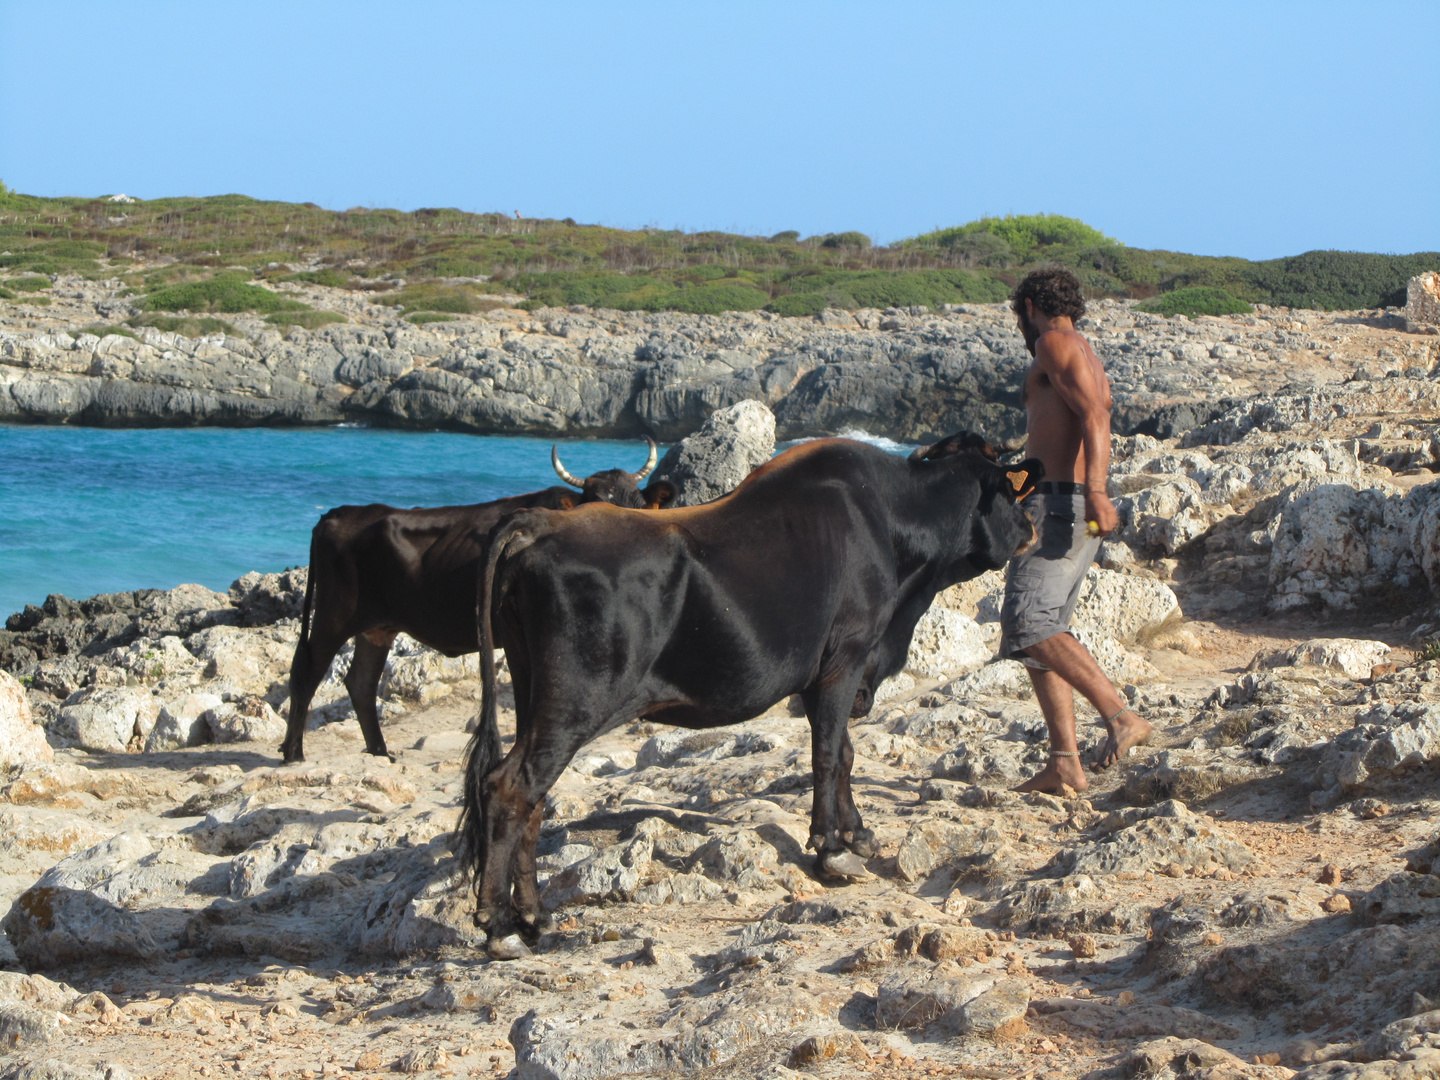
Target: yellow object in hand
1092, 528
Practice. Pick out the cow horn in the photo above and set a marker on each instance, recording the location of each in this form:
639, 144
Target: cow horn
649, 462
561, 471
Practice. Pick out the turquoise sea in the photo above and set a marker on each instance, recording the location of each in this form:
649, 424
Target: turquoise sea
91, 510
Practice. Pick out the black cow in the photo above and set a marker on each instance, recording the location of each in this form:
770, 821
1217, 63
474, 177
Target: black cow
808, 578
376, 571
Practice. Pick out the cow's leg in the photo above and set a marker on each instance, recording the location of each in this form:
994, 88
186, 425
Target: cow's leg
527, 885
308, 669
362, 680
828, 705
510, 798
853, 833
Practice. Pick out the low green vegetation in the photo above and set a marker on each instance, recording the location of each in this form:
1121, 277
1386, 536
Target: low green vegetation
420, 318
1196, 300
456, 263
223, 293
29, 284
186, 325
306, 320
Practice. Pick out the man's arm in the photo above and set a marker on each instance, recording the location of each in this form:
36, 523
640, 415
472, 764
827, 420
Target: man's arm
1064, 360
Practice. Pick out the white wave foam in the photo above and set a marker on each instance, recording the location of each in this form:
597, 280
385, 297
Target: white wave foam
888, 445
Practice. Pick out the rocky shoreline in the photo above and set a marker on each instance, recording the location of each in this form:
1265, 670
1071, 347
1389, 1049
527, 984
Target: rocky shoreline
910, 375
1253, 896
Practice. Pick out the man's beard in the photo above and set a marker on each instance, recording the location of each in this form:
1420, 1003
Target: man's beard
1029, 331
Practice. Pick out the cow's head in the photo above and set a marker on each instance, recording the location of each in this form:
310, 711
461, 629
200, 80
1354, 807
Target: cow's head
616, 486
1000, 529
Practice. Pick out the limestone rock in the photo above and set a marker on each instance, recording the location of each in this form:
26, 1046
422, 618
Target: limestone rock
946, 643
249, 720
614, 873
1126, 607
52, 927
956, 1005
1174, 837
105, 719
182, 723
262, 599
729, 445
1355, 657
21, 739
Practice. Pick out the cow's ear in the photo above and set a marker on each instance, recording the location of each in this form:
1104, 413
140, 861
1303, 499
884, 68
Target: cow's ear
567, 503
659, 495
1024, 477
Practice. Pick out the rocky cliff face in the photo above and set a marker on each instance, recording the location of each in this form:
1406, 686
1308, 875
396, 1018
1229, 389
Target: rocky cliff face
910, 375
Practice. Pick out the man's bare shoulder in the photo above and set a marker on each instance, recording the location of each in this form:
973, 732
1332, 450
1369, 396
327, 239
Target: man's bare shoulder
1062, 347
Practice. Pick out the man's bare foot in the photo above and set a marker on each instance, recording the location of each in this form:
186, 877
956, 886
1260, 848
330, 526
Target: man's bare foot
1127, 730
1059, 773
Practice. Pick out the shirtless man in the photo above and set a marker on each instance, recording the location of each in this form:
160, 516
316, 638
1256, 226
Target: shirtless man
1067, 408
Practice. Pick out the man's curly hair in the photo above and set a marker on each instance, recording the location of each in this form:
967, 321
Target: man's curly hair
1055, 291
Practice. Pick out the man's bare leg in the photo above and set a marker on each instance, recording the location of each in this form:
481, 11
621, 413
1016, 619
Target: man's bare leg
1072, 662
1057, 702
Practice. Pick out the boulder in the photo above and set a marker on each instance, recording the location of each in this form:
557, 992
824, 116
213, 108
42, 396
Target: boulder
182, 723
104, 719
729, 445
1126, 607
52, 927
946, 643
262, 599
249, 720
956, 1005
22, 741
1354, 656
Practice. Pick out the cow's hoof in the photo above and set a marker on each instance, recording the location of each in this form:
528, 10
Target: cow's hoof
844, 865
510, 947
540, 924
863, 843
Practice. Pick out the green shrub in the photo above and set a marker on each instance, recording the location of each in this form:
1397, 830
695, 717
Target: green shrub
6, 294
29, 284
187, 325
420, 318
1336, 280
789, 236
331, 278
225, 292
845, 240
307, 320
1021, 233
70, 249
713, 297
805, 303
1199, 300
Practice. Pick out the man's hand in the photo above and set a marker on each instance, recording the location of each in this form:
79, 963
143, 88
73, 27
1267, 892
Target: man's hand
1100, 510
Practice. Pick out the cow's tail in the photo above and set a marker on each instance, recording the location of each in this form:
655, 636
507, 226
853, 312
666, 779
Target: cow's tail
309, 590
484, 753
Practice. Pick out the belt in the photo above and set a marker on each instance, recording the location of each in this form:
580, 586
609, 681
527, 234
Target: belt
1060, 487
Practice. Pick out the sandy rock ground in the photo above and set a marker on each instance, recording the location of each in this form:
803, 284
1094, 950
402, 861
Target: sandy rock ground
1237, 892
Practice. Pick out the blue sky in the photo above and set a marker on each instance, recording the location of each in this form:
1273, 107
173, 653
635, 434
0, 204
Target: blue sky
1252, 129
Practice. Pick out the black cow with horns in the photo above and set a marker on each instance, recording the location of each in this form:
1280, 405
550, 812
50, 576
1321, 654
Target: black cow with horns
808, 578
376, 571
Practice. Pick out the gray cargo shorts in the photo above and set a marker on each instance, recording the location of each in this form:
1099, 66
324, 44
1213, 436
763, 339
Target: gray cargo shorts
1043, 584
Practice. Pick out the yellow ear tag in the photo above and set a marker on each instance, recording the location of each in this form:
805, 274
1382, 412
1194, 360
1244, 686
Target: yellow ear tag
1018, 480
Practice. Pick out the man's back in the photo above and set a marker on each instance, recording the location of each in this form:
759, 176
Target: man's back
1055, 434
